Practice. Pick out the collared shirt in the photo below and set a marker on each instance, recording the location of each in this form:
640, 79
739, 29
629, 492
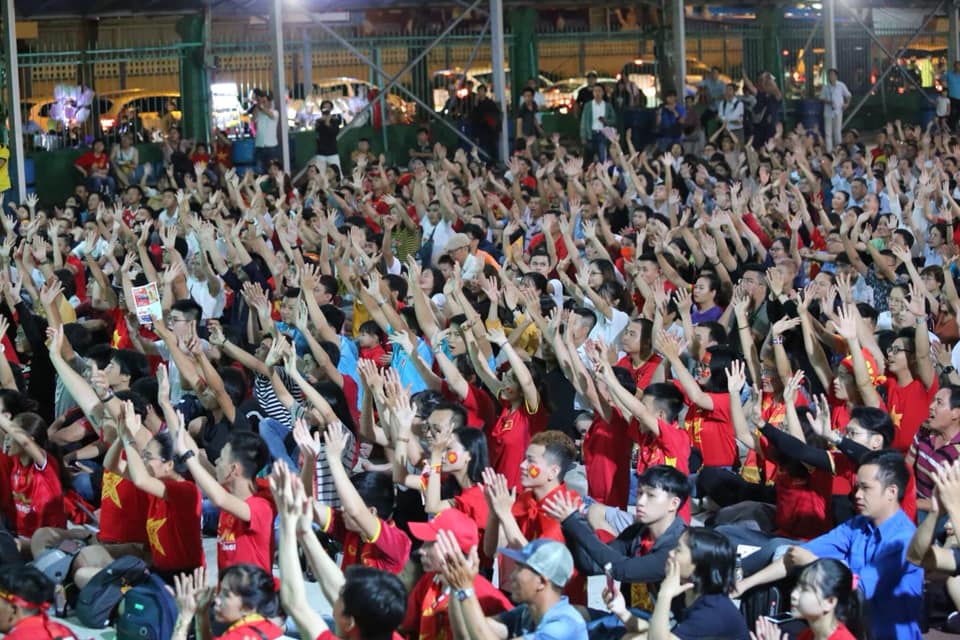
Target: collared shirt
878, 555
409, 376
561, 622
928, 457
835, 95
840, 183
598, 112
731, 112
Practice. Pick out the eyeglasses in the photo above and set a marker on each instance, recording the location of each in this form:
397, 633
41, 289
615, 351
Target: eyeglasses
895, 349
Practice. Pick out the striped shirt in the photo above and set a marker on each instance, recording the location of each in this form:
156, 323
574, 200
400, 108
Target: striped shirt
267, 399
926, 456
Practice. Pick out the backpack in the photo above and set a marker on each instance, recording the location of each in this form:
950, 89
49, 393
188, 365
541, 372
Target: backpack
147, 612
98, 600
55, 562
765, 600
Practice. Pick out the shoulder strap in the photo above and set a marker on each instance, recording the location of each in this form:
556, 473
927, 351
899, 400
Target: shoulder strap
259, 632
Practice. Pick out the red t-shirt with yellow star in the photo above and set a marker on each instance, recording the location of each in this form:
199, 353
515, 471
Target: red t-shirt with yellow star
711, 431
909, 407
173, 527
123, 511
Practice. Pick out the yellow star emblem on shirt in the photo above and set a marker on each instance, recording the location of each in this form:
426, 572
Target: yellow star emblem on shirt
896, 417
110, 483
153, 529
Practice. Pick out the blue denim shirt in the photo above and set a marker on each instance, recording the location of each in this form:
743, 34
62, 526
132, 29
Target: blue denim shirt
878, 555
409, 376
561, 622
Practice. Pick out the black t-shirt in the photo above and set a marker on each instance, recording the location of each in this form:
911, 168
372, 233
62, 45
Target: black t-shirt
711, 617
327, 135
528, 118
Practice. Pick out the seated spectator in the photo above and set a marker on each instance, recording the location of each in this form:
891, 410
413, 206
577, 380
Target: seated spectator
25, 596
874, 544
701, 568
245, 600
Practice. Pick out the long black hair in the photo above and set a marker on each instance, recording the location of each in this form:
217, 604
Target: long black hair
713, 560
833, 579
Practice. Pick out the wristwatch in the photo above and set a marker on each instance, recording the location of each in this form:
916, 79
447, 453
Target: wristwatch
186, 455
463, 594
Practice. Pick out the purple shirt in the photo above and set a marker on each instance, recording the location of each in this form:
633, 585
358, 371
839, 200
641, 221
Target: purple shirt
710, 315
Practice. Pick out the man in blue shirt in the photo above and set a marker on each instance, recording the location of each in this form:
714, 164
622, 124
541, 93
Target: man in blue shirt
874, 544
952, 79
536, 584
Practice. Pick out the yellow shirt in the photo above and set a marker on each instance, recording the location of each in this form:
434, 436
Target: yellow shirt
5, 169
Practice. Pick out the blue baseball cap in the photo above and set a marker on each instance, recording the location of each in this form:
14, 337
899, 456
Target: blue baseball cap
548, 558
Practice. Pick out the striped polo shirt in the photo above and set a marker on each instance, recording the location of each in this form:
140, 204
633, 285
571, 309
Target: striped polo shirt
927, 456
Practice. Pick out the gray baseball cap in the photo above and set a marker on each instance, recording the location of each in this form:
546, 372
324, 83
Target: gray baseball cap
549, 558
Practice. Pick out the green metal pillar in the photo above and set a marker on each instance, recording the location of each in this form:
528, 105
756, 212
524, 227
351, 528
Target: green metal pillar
194, 89
420, 80
770, 19
524, 63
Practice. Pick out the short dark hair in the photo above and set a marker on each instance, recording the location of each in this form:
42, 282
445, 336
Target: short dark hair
666, 398
713, 560
586, 314
375, 599
670, 479
877, 421
190, 309
376, 490
459, 413
249, 450
27, 583
256, 588
131, 363
891, 469
559, 449
334, 316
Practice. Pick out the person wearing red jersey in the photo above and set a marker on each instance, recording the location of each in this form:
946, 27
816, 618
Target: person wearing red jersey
245, 530
462, 456
173, 511
523, 414
639, 359
606, 446
25, 596
514, 520
245, 602
653, 426
912, 383
368, 604
34, 476
708, 420
366, 505
427, 607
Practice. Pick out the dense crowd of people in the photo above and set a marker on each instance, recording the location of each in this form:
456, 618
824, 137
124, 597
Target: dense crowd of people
451, 393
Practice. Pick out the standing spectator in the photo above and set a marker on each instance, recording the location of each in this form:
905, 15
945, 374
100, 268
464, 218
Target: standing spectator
597, 115
766, 109
486, 122
835, 97
943, 110
527, 123
265, 118
538, 97
4, 174
952, 79
692, 125
326, 128
585, 94
669, 115
715, 89
730, 112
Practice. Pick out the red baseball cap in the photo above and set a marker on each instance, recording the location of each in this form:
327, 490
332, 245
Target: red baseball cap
452, 520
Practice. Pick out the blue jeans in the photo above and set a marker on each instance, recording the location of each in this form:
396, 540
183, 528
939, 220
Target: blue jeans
274, 434
87, 485
771, 546
97, 184
598, 146
263, 155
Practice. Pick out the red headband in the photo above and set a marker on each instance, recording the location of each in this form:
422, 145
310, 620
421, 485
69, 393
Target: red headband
16, 600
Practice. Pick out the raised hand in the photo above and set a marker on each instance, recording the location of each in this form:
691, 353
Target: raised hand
846, 323
499, 496
792, 387
562, 506
736, 377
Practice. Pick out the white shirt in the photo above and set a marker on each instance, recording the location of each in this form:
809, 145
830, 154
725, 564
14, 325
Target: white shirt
835, 95
598, 110
212, 305
444, 231
266, 129
731, 113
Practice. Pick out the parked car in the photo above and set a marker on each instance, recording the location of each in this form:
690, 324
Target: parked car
477, 75
148, 106
349, 96
563, 101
